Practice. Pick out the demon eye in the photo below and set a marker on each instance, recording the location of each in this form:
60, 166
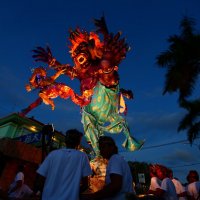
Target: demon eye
81, 58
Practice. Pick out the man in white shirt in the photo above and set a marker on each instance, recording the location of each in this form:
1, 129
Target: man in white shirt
167, 189
64, 173
118, 180
180, 189
155, 181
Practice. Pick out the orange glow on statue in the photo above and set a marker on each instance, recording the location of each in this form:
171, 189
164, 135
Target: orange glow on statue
95, 65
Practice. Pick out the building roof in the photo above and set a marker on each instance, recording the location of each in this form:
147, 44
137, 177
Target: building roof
17, 118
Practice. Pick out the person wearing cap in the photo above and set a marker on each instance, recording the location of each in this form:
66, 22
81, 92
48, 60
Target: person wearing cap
64, 172
18, 189
118, 180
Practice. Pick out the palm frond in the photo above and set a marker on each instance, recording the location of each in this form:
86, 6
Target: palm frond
194, 132
191, 122
182, 62
164, 59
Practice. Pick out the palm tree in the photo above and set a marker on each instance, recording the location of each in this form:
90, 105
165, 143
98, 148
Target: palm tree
182, 61
191, 119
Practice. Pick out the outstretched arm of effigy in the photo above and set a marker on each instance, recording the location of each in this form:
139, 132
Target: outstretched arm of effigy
45, 55
57, 74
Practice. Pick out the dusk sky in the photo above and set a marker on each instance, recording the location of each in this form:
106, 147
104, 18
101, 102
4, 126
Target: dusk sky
146, 24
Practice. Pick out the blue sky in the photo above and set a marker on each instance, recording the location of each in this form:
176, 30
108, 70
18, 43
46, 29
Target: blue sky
145, 23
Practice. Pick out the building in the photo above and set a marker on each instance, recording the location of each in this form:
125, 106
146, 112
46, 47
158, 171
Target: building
27, 130
26, 141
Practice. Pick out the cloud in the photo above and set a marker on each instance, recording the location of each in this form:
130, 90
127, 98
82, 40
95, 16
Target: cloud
180, 156
148, 123
12, 86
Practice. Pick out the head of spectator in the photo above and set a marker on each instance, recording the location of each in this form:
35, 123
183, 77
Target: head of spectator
73, 138
162, 172
152, 170
107, 147
192, 176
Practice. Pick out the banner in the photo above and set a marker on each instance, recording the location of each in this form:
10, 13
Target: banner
30, 138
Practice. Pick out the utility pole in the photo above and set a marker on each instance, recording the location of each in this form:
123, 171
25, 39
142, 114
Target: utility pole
47, 134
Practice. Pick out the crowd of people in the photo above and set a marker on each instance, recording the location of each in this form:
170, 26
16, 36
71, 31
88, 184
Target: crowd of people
64, 175
165, 186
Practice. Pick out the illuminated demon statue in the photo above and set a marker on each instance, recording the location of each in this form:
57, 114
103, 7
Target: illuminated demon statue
96, 64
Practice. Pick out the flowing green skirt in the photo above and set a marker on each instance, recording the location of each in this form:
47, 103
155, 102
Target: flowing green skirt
102, 115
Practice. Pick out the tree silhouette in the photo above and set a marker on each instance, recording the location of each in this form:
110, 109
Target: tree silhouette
182, 61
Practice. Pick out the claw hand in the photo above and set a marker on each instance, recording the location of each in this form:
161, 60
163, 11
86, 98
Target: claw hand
43, 55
